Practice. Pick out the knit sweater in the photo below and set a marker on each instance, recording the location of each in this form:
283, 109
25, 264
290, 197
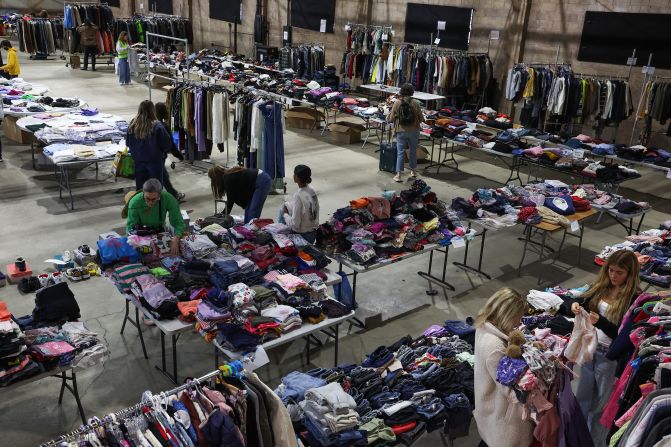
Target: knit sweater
497, 411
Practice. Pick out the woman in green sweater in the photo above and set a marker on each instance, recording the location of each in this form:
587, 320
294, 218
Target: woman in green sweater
150, 208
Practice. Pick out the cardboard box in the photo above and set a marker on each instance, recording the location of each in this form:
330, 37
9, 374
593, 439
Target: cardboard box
303, 117
13, 133
422, 154
75, 61
346, 133
294, 122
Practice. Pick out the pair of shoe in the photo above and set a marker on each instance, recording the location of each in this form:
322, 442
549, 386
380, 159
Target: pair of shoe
49, 279
181, 197
29, 285
397, 178
77, 274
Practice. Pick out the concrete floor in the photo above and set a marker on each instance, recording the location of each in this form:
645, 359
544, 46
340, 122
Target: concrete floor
37, 225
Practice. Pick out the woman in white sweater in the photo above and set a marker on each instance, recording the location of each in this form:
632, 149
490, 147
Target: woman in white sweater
302, 212
497, 411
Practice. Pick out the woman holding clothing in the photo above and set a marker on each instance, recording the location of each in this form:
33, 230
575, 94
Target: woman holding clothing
497, 411
122, 57
247, 188
607, 300
148, 143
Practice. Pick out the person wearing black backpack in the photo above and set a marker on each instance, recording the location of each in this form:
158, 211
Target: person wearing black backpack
406, 116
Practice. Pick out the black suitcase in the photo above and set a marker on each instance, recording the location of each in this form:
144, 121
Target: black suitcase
388, 155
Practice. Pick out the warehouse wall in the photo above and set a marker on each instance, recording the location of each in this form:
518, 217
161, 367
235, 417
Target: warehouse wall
552, 25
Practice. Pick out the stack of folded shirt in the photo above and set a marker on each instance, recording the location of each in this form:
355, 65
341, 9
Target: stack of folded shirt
243, 301
263, 297
234, 337
265, 328
53, 354
287, 316
14, 363
329, 416
197, 246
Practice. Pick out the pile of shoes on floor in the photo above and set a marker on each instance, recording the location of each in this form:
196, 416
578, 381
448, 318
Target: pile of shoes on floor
75, 266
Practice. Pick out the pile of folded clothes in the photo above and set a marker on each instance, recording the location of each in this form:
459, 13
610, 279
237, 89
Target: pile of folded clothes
653, 249
398, 393
242, 285
15, 364
656, 156
550, 201
25, 353
374, 228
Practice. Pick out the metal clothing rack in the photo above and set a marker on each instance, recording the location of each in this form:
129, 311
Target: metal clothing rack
150, 75
95, 423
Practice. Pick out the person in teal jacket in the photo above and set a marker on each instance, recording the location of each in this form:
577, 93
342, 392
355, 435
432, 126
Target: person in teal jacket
149, 209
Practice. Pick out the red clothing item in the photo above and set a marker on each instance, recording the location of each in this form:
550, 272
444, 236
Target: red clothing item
4, 313
402, 428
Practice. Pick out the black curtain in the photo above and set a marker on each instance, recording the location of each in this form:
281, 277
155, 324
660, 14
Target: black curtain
422, 20
226, 10
162, 6
610, 38
308, 14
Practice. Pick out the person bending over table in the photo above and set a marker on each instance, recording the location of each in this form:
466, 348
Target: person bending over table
148, 208
247, 188
607, 300
302, 212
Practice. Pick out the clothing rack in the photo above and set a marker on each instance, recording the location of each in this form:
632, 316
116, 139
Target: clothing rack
149, 64
132, 409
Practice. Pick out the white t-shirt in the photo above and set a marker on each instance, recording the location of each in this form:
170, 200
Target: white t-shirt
601, 337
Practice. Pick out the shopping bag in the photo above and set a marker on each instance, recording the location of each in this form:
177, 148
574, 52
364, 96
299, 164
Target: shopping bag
127, 168
116, 164
581, 347
343, 292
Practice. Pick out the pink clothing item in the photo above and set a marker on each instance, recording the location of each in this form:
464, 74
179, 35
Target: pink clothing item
646, 389
584, 138
535, 151
290, 282
612, 406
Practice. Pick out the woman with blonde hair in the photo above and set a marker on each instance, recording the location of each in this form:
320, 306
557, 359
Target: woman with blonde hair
247, 188
122, 46
148, 143
497, 411
607, 300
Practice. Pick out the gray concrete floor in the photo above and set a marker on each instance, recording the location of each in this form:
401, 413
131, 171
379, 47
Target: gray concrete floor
37, 225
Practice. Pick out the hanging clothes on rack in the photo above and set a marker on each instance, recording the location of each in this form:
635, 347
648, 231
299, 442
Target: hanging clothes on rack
259, 130
138, 26
656, 104
305, 59
230, 407
101, 15
199, 115
38, 35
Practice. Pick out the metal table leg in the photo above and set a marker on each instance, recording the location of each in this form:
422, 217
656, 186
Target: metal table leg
464, 265
74, 390
139, 331
527, 232
125, 318
431, 278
